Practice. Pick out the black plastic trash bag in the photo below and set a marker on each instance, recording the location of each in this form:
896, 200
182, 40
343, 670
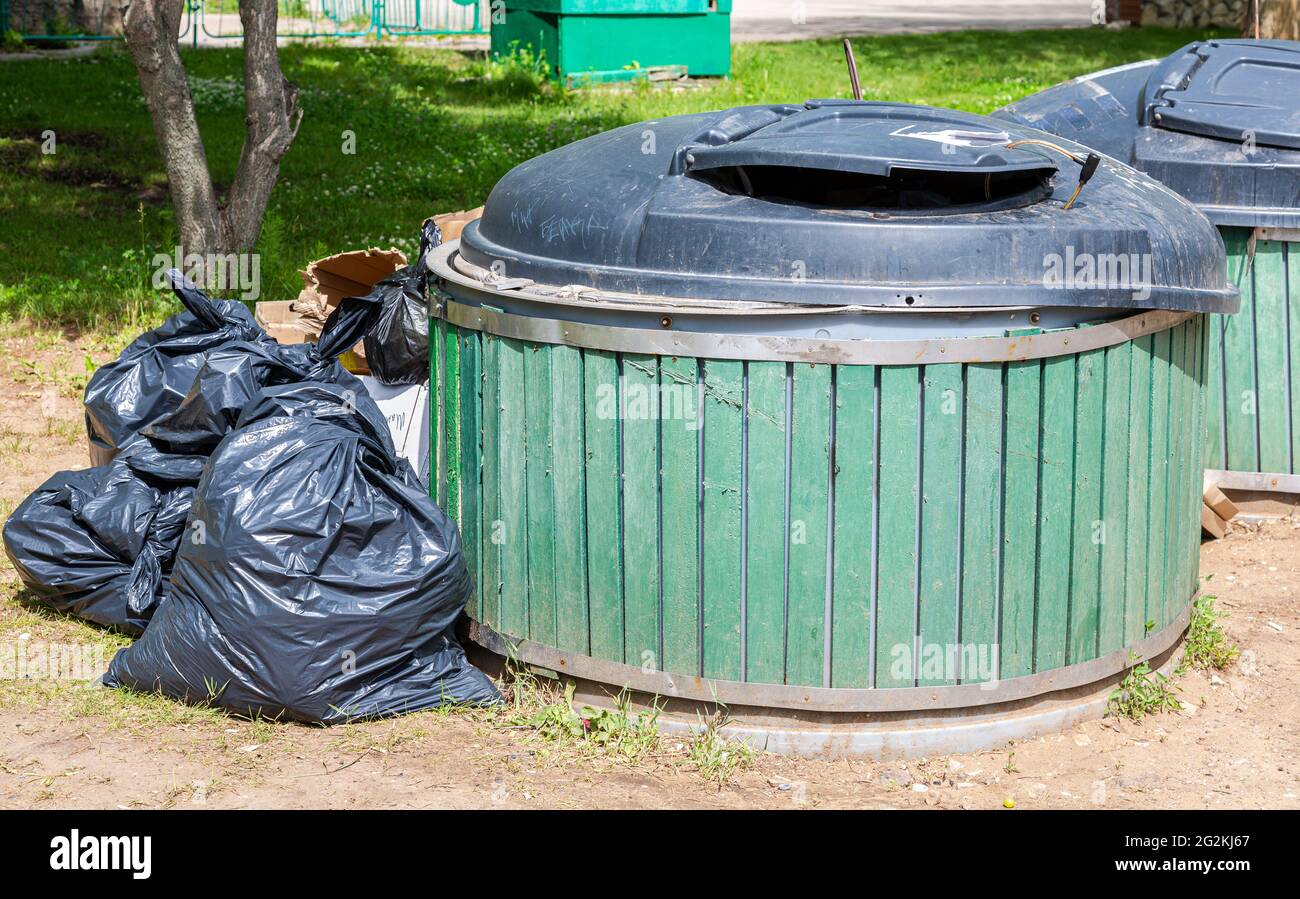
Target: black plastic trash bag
326, 584
99, 543
153, 374
397, 349
233, 375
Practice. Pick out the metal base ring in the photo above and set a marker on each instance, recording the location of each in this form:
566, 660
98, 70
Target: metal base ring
888, 732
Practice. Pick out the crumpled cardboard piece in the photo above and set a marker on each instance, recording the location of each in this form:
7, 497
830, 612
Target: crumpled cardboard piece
452, 223
327, 282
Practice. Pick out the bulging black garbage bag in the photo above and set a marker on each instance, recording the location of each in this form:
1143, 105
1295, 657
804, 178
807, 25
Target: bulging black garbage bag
233, 374
99, 543
397, 348
325, 584
153, 374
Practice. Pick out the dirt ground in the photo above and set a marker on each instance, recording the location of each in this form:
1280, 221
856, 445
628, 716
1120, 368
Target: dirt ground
1235, 744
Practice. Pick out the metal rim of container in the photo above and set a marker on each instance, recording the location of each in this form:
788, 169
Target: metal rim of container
800, 349
831, 699
449, 264
665, 341
1264, 481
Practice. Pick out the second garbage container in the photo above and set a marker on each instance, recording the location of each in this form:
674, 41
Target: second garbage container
1219, 122
811, 411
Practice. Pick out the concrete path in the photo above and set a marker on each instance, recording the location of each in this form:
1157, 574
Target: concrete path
796, 20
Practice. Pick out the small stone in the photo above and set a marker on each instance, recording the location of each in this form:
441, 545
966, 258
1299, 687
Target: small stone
919, 788
1082, 740
1138, 783
895, 777
1188, 709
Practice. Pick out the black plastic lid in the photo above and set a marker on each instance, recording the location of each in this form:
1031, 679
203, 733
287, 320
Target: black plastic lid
1229, 90
840, 203
1217, 121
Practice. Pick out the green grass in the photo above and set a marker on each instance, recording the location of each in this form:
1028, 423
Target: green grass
1143, 692
1207, 647
434, 130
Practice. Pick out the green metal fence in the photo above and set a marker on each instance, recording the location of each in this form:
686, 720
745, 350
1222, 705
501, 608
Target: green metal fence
213, 21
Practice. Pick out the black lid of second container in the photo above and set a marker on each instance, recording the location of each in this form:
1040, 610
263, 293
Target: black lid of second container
1217, 121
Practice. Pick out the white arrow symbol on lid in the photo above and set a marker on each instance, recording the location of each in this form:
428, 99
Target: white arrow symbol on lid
956, 136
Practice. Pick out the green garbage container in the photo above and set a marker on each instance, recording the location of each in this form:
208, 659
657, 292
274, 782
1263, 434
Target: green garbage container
785, 416
612, 37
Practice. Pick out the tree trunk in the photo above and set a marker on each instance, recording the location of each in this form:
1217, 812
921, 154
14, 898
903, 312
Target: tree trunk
1278, 19
271, 118
150, 28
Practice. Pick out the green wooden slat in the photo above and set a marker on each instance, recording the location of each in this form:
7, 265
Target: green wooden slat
1192, 541
641, 573
1056, 487
1020, 517
1239, 373
679, 436
980, 507
1177, 471
1116, 470
1189, 452
1193, 479
435, 409
941, 440
567, 467
438, 450
513, 499
490, 589
1270, 356
723, 398
855, 463
809, 482
1139, 509
1291, 253
451, 419
471, 523
1214, 397
896, 585
765, 509
540, 540
604, 506
1086, 544
1158, 481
